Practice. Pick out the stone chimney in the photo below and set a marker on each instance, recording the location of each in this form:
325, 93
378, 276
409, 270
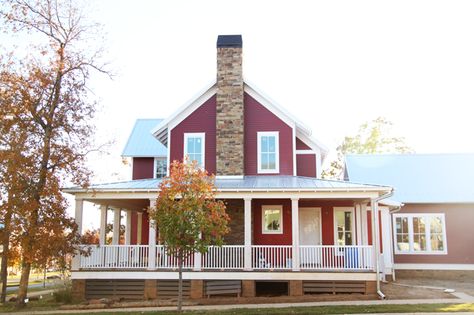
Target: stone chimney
230, 107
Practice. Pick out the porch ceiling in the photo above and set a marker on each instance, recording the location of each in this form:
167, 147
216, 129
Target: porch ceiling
128, 204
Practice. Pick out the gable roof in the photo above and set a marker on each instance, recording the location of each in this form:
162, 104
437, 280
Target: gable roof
141, 142
417, 178
302, 131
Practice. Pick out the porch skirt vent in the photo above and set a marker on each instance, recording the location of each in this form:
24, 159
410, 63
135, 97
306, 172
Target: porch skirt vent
219, 287
115, 289
311, 287
169, 288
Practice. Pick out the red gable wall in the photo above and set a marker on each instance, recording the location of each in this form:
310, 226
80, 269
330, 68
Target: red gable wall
142, 168
306, 165
258, 118
202, 119
300, 145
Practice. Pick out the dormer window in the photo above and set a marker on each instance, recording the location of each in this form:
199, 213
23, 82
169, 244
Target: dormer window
160, 167
194, 147
268, 152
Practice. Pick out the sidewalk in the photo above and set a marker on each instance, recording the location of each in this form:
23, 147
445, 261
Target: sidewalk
461, 298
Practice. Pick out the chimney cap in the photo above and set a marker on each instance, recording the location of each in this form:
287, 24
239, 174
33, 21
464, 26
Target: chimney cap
229, 41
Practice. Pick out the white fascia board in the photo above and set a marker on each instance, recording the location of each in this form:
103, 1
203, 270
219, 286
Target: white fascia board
185, 109
313, 143
227, 275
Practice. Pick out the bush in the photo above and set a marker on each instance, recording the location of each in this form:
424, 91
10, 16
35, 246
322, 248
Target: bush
63, 295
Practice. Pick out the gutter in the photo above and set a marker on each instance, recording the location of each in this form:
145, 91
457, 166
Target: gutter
375, 217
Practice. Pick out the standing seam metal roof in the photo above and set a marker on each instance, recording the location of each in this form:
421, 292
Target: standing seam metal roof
142, 143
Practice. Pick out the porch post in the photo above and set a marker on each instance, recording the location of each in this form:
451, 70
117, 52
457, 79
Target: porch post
363, 224
128, 228
375, 234
296, 234
116, 228
358, 225
386, 239
103, 225
248, 233
152, 239
139, 227
197, 259
76, 261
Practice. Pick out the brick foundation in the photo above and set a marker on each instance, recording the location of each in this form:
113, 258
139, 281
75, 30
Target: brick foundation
150, 290
295, 288
248, 288
79, 289
370, 287
197, 289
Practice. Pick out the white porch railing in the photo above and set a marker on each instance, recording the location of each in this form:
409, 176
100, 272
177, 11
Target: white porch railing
225, 257
115, 256
271, 256
232, 257
328, 257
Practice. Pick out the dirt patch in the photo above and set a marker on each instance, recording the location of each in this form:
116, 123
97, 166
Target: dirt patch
393, 291
465, 285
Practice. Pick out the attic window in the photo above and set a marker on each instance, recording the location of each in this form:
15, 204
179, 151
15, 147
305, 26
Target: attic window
268, 152
194, 147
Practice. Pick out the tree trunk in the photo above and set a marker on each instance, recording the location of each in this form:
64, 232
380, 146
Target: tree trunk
23, 289
180, 281
44, 276
6, 249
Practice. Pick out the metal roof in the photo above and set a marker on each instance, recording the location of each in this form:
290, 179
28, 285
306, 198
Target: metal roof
248, 183
141, 142
417, 178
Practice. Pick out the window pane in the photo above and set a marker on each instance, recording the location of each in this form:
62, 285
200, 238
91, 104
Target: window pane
437, 243
264, 161
436, 226
272, 220
271, 161
197, 145
405, 225
403, 243
347, 221
264, 146
190, 145
271, 144
343, 227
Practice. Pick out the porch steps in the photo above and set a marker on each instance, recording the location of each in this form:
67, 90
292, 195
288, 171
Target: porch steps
218, 287
115, 289
169, 288
334, 287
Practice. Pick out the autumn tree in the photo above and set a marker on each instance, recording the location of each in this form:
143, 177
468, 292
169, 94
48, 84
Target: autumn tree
188, 216
48, 134
372, 138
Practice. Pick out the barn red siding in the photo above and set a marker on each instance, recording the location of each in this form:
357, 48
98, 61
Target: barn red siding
369, 229
306, 165
258, 118
458, 219
142, 168
202, 119
300, 145
271, 239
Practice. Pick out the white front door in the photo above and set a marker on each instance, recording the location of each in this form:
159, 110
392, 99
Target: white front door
310, 234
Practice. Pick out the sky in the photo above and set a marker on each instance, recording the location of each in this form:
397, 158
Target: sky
333, 64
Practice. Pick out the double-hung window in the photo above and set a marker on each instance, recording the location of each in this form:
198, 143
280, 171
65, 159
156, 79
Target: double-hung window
268, 157
160, 167
272, 219
419, 233
194, 147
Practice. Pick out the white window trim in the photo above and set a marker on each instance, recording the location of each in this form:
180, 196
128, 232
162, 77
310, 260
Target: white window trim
201, 135
275, 134
344, 209
427, 217
155, 164
272, 207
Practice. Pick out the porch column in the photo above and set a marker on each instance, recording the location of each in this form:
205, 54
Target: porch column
363, 224
152, 239
375, 234
139, 227
296, 234
128, 228
103, 225
197, 259
248, 233
116, 227
358, 225
79, 206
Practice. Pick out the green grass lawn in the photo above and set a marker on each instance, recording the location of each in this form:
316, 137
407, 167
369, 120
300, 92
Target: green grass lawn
469, 307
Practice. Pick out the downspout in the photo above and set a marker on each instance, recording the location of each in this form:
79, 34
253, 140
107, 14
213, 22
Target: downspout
394, 210
375, 224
